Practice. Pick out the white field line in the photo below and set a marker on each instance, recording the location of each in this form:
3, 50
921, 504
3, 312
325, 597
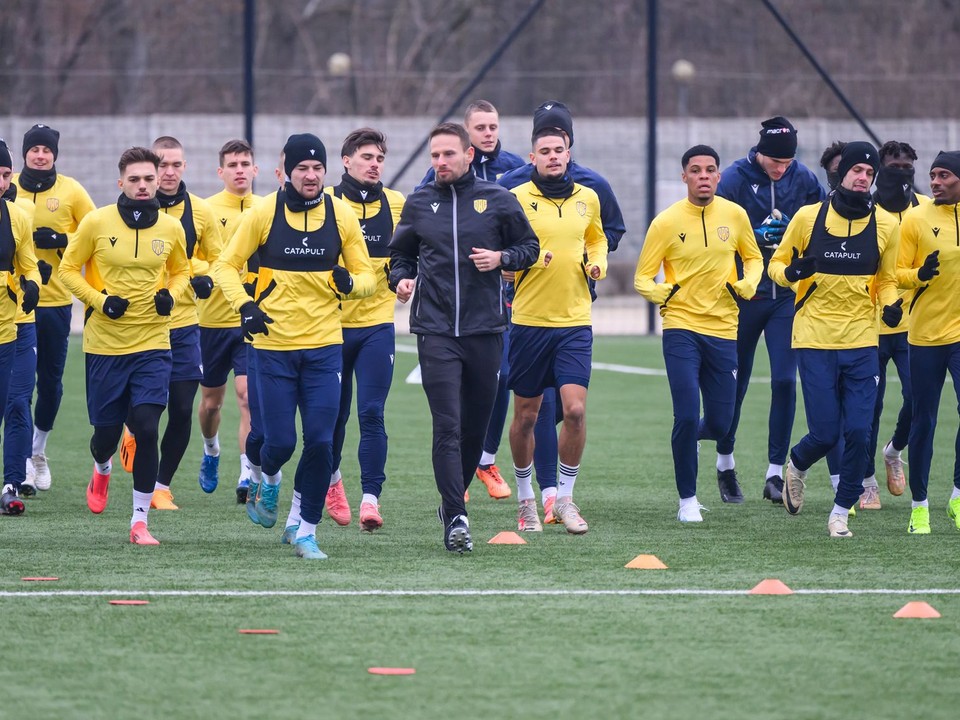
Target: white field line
919, 592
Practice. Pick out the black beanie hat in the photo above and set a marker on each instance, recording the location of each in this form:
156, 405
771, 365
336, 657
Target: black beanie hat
42, 135
553, 114
948, 161
855, 153
5, 159
778, 138
699, 150
305, 146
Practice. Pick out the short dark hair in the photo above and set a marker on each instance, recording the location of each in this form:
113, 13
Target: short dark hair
449, 128
363, 136
893, 148
831, 152
137, 155
549, 132
166, 142
478, 106
699, 150
235, 147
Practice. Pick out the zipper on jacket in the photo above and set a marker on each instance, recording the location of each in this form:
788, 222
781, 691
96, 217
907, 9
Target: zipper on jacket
773, 205
703, 222
136, 247
956, 224
456, 269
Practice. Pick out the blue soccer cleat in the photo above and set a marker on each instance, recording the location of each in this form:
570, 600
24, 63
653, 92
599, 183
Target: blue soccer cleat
266, 507
251, 504
209, 473
306, 548
289, 536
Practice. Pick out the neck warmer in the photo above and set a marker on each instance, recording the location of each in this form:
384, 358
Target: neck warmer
11, 194
894, 188
833, 179
561, 187
492, 155
359, 192
295, 202
170, 200
37, 181
851, 205
138, 214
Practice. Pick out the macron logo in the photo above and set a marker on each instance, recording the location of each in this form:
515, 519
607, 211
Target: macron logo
435, 206
363, 194
755, 188
548, 107
312, 151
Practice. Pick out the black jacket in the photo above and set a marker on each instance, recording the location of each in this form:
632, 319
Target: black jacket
438, 229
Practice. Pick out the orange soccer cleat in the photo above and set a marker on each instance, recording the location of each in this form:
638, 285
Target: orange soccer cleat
128, 449
139, 535
98, 492
337, 506
496, 486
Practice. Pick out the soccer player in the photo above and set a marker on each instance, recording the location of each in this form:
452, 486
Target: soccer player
697, 240
203, 245
453, 237
23, 294
61, 203
771, 185
132, 249
830, 161
551, 339
839, 256
301, 234
368, 331
929, 263
222, 347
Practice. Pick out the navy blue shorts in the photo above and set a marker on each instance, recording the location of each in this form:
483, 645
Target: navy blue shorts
185, 346
222, 350
549, 357
115, 383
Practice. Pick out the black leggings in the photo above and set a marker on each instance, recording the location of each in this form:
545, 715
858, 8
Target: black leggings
176, 437
144, 421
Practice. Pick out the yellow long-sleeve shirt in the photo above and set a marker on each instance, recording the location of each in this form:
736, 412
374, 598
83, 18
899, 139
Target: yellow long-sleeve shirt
379, 307
834, 311
129, 263
906, 294
61, 208
558, 295
299, 297
935, 307
697, 248
28, 207
205, 253
16, 250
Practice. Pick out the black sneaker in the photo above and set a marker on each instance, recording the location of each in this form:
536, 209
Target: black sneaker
729, 487
243, 489
773, 490
10, 502
456, 537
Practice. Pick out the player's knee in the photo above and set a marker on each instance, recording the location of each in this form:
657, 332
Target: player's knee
574, 414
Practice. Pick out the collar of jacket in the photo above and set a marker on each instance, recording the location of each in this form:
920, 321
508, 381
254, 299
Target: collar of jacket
479, 154
464, 182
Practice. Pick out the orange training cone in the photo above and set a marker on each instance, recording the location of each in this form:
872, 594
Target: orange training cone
771, 586
917, 609
506, 538
646, 562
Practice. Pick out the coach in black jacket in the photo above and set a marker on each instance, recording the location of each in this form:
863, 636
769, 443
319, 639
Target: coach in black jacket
453, 236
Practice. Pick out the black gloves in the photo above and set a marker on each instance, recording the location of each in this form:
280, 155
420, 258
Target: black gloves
31, 294
253, 320
202, 286
115, 306
49, 239
250, 288
164, 302
342, 279
929, 267
46, 270
800, 267
892, 314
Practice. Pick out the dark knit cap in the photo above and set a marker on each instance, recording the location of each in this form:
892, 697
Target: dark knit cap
856, 153
305, 146
553, 114
778, 138
5, 159
948, 161
42, 135
699, 150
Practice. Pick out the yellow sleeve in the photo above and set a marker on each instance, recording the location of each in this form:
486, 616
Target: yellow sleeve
908, 263
595, 240
178, 268
356, 258
25, 259
79, 251
651, 258
84, 204
750, 254
232, 263
887, 274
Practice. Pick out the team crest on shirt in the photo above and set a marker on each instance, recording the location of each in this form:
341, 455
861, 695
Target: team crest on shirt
157, 246
53, 204
480, 205
723, 232
581, 208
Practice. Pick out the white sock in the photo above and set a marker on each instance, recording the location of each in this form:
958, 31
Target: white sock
335, 477
725, 462
955, 494
293, 517
922, 503
890, 451
774, 471
40, 441
370, 498
272, 479
835, 481
244, 467
547, 493
524, 478
689, 502
566, 479
488, 458
256, 472
141, 505
837, 510
104, 468
870, 481
211, 446
160, 486
306, 529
